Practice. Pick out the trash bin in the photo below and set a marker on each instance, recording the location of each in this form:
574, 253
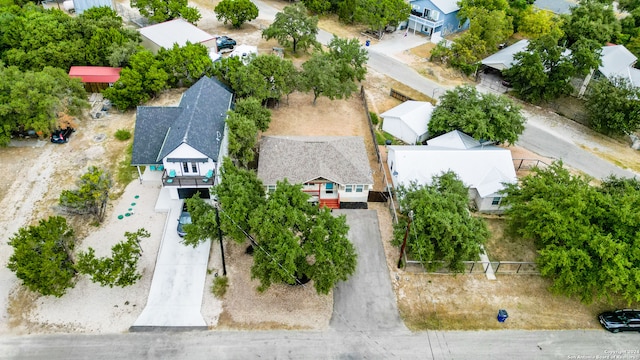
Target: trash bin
366, 43
502, 315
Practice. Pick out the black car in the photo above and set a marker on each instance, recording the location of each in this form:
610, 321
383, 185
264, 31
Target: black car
620, 320
225, 42
61, 136
185, 218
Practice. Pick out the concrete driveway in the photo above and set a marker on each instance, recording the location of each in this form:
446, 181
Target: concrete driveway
177, 287
366, 301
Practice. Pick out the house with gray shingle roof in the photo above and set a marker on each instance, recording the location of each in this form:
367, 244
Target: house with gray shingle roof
186, 142
334, 170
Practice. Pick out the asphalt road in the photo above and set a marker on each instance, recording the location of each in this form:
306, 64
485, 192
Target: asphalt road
327, 345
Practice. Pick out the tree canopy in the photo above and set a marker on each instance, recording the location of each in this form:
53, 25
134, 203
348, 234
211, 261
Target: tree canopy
34, 100
292, 27
243, 137
613, 107
266, 77
163, 10
184, 65
543, 72
485, 117
322, 75
587, 236
236, 12
591, 20
121, 269
296, 240
377, 14
91, 196
33, 38
42, 256
442, 232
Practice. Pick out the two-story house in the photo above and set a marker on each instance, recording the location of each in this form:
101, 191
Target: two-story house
435, 18
186, 142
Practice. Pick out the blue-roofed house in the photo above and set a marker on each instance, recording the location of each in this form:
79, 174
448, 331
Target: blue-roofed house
435, 18
187, 142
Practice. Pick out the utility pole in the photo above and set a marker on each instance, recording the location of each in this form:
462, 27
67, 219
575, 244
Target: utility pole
224, 268
404, 241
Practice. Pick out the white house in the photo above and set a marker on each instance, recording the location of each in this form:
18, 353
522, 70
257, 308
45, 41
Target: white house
408, 121
484, 169
334, 170
176, 31
187, 142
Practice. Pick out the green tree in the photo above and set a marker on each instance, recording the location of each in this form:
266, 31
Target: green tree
592, 20
184, 65
239, 193
293, 27
586, 236
347, 10
485, 117
318, 6
377, 14
163, 10
536, 23
243, 137
139, 83
42, 256
226, 68
629, 5
252, 109
236, 12
350, 58
90, 198
298, 240
613, 107
543, 71
266, 77
31, 100
442, 231
204, 223
121, 269
321, 75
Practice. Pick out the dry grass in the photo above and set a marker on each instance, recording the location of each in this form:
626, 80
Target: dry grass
502, 247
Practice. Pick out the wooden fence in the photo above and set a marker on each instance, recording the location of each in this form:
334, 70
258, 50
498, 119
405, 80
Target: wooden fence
398, 95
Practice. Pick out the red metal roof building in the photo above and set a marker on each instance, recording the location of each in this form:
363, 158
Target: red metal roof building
95, 74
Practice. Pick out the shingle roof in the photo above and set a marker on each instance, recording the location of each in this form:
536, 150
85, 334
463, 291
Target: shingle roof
341, 159
198, 121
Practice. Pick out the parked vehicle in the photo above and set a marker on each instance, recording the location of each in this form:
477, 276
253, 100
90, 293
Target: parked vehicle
225, 42
185, 218
61, 136
620, 320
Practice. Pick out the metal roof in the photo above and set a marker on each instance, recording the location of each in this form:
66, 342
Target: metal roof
176, 31
503, 59
454, 140
446, 6
484, 168
300, 159
95, 74
617, 61
416, 114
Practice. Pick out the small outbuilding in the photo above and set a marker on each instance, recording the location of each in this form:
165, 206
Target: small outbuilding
408, 121
95, 78
176, 31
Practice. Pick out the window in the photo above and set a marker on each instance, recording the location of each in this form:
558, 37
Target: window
185, 167
459, 24
435, 15
271, 188
348, 188
496, 200
194, 167
359, 188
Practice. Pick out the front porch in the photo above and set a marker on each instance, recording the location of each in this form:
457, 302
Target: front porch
422, 24
193, 181
325, 196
